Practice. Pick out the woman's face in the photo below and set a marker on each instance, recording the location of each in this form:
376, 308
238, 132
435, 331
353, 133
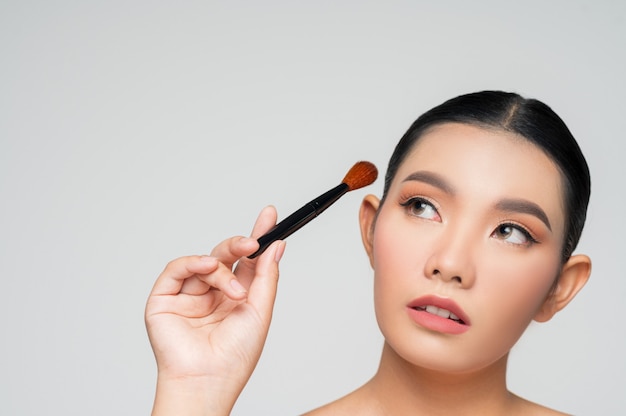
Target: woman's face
472, 225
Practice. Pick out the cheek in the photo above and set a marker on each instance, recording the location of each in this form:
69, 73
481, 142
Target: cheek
398, 266
510, 286
387, 268
511, 292
396, 254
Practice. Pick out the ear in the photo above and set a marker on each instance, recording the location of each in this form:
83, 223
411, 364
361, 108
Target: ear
574, 275
367, 220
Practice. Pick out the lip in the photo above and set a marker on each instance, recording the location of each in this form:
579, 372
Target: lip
434, 322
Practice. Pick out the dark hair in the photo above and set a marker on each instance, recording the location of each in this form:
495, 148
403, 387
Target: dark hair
529, 118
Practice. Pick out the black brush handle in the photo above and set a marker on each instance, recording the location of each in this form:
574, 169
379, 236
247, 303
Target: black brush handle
301, 217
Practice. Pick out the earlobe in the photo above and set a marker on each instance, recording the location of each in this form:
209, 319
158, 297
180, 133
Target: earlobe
574, 275
367, 220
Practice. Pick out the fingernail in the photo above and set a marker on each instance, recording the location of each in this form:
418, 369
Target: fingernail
280, 250
237, 286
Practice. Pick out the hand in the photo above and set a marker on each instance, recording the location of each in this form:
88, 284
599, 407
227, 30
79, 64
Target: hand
207, 323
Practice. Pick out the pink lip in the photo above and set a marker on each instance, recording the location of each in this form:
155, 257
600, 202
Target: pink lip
434, 322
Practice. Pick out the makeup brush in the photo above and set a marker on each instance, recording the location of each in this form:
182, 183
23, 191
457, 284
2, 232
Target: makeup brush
360, 175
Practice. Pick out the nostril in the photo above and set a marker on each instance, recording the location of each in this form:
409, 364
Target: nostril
448, 277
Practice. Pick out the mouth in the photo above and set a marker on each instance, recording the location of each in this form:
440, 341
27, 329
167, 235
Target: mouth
441, 312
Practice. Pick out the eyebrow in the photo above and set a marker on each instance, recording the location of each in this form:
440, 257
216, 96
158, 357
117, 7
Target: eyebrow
524, 206
508, 204
433, 179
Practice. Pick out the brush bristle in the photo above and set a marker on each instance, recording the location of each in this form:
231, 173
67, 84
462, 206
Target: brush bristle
360, 175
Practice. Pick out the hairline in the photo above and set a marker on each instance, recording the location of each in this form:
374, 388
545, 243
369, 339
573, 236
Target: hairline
418, 134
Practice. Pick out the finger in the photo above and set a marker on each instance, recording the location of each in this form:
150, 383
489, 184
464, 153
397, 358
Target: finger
182, 304
171, 280
195, 275
264, 222
231, 250
224, 280
262, 292
194, 286
234, 248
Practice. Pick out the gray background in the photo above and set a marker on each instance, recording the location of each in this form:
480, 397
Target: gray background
135, 132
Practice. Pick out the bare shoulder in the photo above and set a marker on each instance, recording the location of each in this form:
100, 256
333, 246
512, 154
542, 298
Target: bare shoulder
526, 407
363, 404
341, 408
350, 405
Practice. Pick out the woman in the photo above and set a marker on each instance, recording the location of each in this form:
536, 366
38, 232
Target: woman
484, 201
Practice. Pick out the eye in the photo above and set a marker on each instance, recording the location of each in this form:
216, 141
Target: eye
513, 234
420, 207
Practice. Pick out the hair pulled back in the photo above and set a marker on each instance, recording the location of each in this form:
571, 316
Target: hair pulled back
529, 118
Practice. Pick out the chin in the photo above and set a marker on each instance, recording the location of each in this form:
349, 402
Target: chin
438, 357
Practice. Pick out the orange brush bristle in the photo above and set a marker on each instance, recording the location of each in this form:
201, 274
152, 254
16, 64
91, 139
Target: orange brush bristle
360, 175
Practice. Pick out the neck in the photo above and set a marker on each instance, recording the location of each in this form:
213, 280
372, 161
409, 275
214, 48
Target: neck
398, 386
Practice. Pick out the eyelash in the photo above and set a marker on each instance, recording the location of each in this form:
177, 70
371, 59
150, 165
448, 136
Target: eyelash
411, 202
531, 240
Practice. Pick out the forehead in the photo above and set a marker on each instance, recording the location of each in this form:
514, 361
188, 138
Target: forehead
489, 164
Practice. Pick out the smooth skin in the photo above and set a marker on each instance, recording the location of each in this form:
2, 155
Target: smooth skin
473, 215
448, 228
207, 324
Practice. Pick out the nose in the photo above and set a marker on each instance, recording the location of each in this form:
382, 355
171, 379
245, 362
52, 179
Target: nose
452, 257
